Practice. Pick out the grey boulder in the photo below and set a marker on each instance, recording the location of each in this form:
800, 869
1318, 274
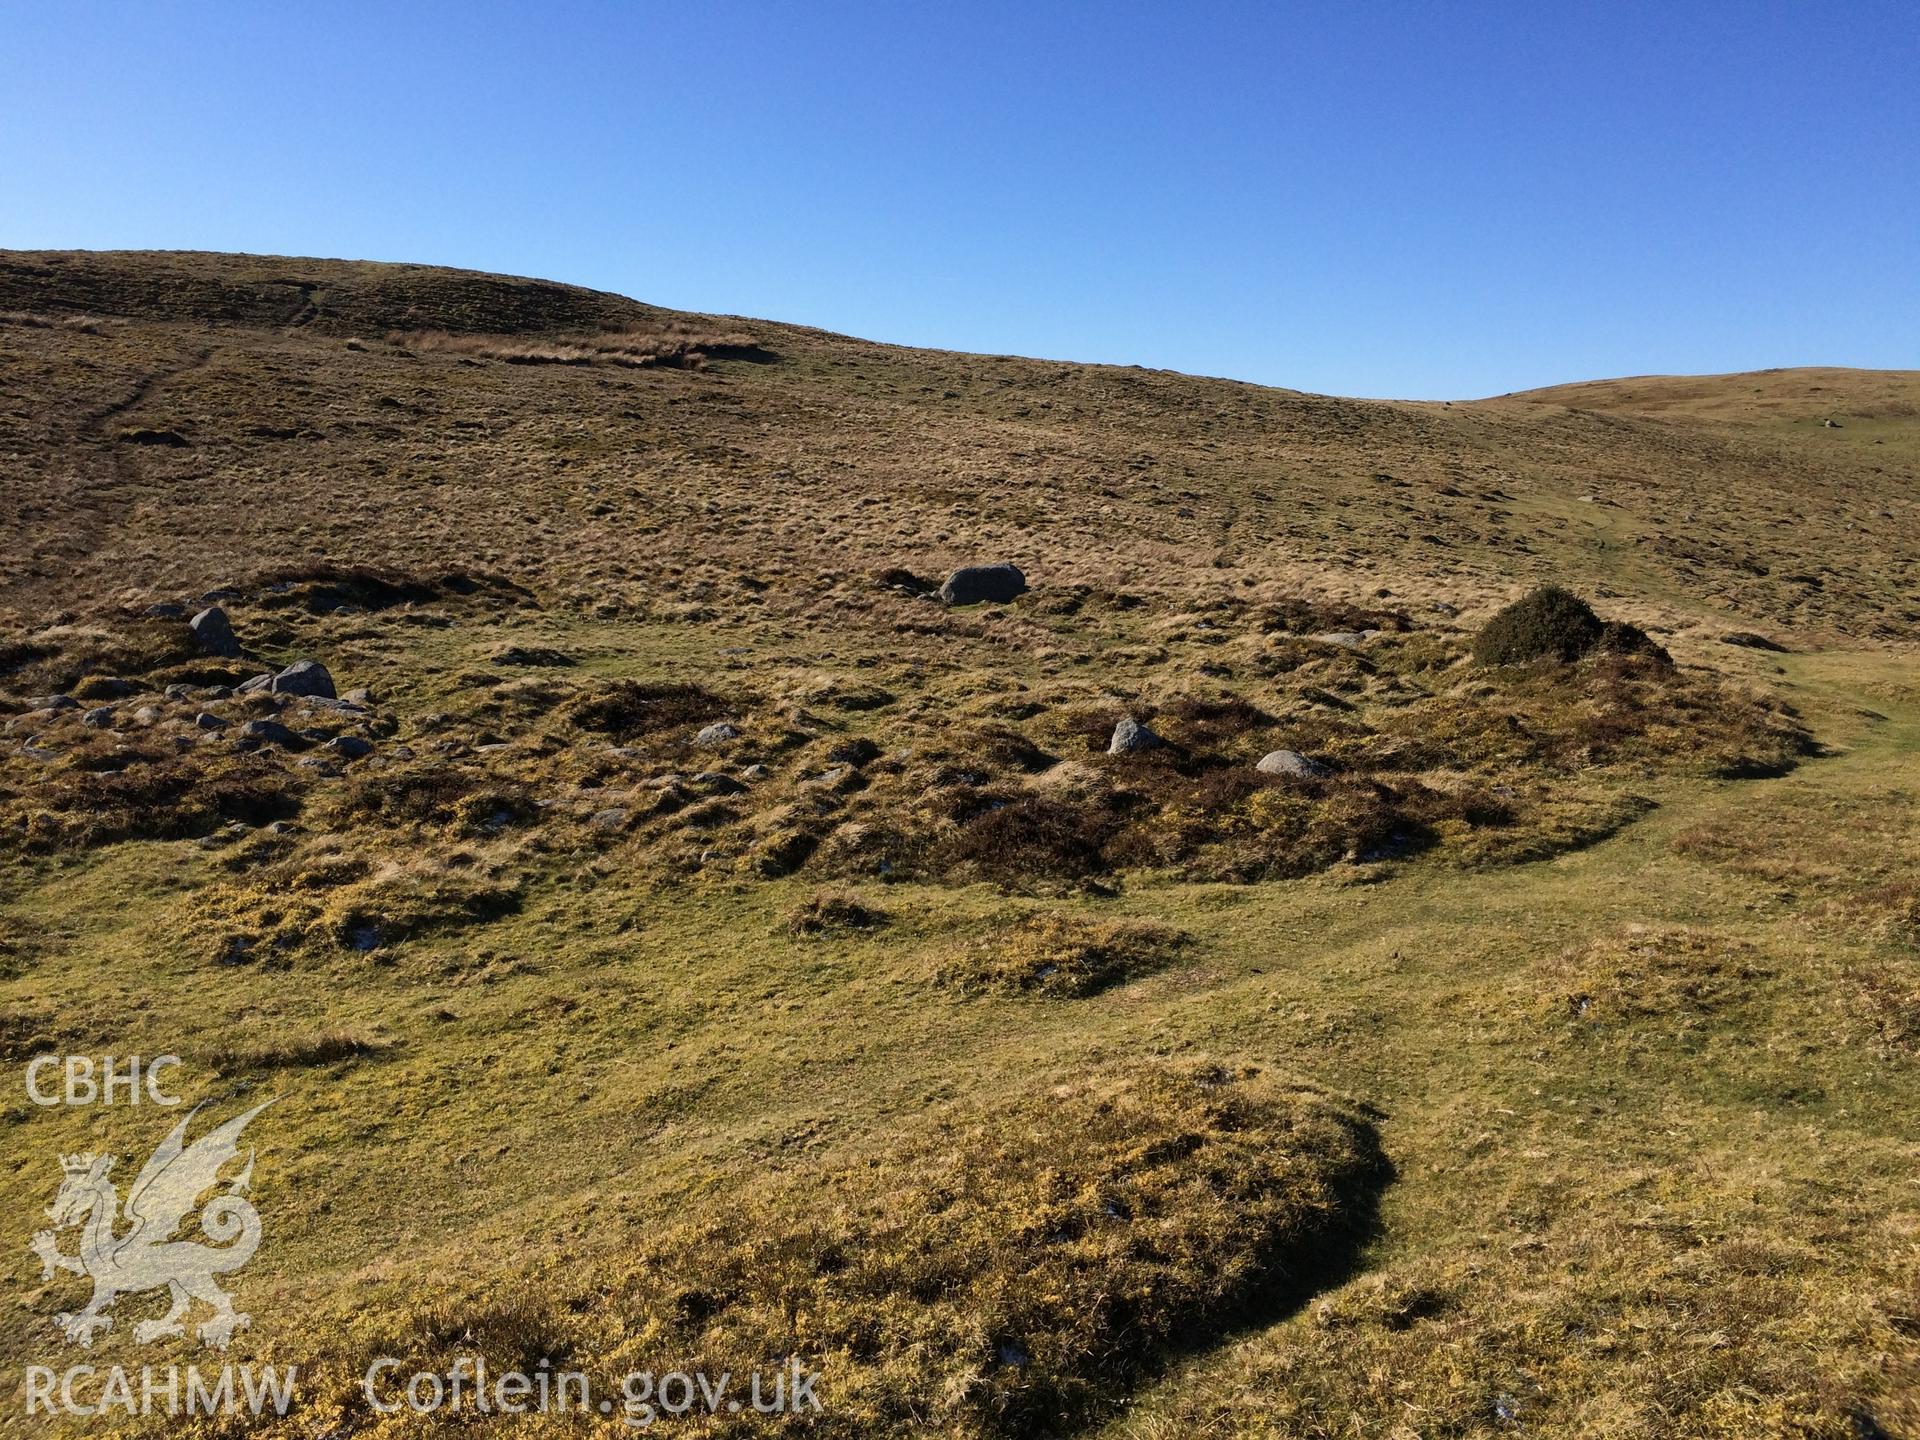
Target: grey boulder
270, 732
1293, 765
1130, 736
304, 677
983, 584
214, 633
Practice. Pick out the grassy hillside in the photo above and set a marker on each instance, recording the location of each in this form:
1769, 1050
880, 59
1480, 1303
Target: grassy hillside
1812, 393
687, 941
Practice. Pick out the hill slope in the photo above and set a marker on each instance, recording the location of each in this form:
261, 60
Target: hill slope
302, 388
1816, 393
684, 942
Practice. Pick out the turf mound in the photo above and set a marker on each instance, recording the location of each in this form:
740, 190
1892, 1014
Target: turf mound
1060, 956
1010, 1267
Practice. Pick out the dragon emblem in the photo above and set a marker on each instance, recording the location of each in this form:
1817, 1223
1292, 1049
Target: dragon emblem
148, 1256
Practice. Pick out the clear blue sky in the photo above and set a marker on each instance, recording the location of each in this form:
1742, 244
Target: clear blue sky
1420, 199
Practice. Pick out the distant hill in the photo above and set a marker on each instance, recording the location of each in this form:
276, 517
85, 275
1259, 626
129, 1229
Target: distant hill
575, 441
1808, 393
331, 296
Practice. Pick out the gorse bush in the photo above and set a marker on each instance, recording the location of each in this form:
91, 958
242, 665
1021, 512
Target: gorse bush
1555, 624
1548, 624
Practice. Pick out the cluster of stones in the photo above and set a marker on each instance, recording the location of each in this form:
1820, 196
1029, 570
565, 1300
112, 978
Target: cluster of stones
1130, 737
304, 692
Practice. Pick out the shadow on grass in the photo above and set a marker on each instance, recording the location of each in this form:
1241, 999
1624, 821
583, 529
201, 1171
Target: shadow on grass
1294, 1277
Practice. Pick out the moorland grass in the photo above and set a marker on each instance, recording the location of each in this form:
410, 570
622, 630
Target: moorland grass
1545, 1068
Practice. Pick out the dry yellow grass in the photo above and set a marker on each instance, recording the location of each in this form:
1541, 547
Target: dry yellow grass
1811, 393
1545, 1068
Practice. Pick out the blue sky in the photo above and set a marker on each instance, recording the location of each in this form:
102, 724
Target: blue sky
1428, 200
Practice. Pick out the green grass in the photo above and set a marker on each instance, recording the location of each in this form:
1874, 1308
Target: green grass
1583, 1194
1635, 1039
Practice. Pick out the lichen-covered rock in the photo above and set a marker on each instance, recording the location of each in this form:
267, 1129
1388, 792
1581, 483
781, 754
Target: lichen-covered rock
1294, 765
983, 584
1130, 736
269, 732
304, 677
213, 633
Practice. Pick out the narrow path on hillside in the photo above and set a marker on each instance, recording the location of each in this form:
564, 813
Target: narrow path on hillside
107, 475
305, 309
